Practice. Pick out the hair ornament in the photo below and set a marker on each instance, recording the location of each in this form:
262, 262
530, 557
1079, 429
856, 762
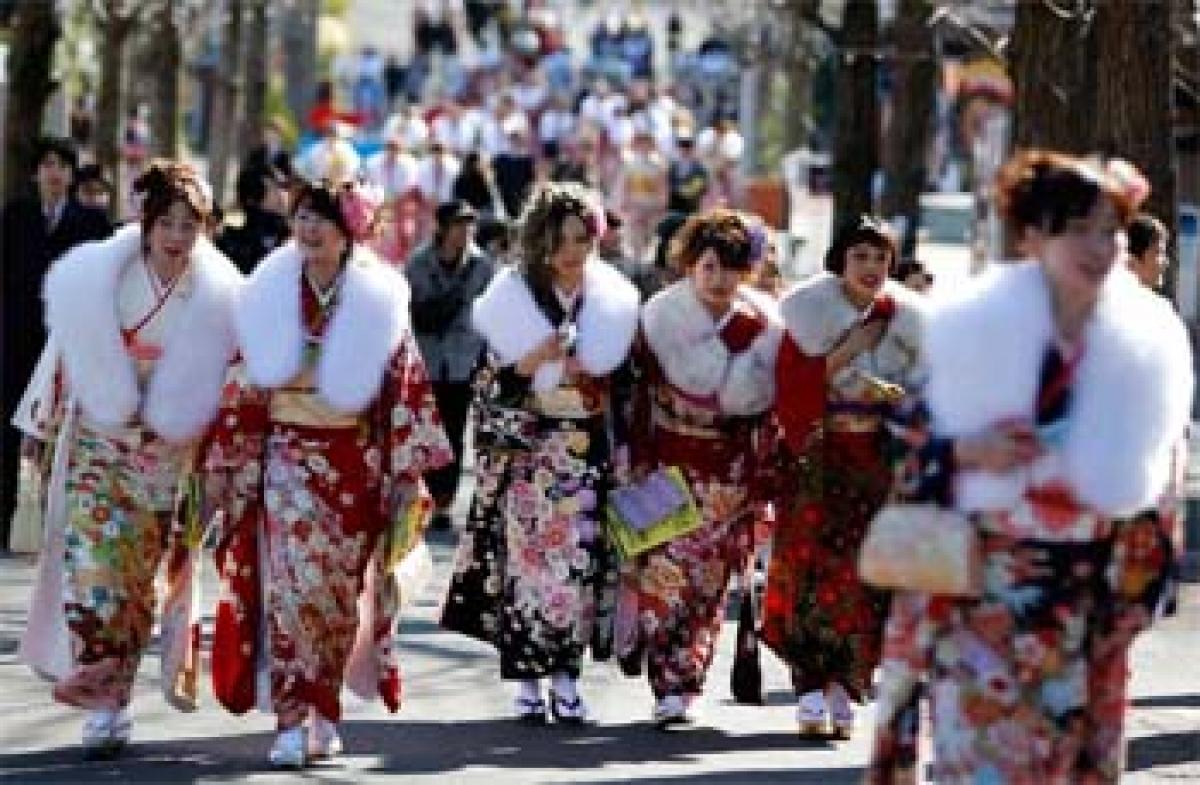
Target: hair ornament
360, 202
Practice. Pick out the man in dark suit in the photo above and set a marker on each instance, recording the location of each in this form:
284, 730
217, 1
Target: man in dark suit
36, 230
260, 194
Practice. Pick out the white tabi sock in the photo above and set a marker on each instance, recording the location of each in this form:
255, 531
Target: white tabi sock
564, 686
529, 690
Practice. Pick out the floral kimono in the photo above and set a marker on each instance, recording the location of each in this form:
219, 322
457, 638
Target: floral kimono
130, 377
314, 464
706, 388
818, 617
1028, 682
534, 573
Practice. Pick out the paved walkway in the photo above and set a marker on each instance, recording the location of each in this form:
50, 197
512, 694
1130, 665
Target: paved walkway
454, 726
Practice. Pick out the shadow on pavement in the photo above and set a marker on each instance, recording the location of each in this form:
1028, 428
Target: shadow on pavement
1164, 749
380, 748
1168, 702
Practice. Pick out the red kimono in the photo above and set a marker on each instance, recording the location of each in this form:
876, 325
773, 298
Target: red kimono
317, 498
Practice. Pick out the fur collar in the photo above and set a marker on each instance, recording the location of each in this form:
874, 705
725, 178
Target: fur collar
368, 326
684, 339
513, 325
1132, 395
817, 315
185, 386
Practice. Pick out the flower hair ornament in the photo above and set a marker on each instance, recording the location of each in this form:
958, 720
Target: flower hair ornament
1127, 179
360, 203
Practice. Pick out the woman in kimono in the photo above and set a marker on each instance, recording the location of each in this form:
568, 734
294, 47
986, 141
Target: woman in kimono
140, 338
1058, 389
708, 350
852, 340
534, 573
314, 465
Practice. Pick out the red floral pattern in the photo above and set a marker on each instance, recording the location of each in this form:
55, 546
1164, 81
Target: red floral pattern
304, 508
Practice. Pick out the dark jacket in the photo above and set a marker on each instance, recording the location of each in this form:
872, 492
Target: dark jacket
441, 311
28, 250
246, 245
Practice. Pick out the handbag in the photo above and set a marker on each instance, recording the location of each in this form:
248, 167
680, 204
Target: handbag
641, 516
922, 547
26, 524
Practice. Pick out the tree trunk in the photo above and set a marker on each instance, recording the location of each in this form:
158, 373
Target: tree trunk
856, 147
300, 58
1053, 68
114, 32
911, 129
34, 32
254, 116
168, 59
1134, 101
224, 123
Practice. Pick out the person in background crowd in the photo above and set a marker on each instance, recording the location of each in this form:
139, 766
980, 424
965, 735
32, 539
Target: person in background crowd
707, 355
436, 173
913, 274
851, 350
315, 462
535, 574
394, 169
768, 278
514, 171
1147, 249
720, 147
474, 185
495, 238
611, 248
687, 177
131, 376
445, 277
262, 199
641, 190
1057, 390
36, 230
92, 189
397, 172
333, 157
273, 152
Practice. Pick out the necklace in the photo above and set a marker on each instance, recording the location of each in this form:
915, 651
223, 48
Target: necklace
326, 300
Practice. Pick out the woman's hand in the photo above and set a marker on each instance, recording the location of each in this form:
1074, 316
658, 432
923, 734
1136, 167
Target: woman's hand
1003, 448
31, 450
549, 350
860, 338
863, 337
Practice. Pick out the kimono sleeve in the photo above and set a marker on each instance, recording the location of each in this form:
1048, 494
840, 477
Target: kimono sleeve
42, 404
232, 452
408, 421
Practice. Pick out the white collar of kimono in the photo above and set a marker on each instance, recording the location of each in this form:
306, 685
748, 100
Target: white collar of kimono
185, 387
513, 325
368, 325
686, 342
1130, 401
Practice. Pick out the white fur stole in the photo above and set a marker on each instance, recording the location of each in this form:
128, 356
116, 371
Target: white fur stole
509, 319
185, 387
1130, 402
817, 315
684, 338
368, 326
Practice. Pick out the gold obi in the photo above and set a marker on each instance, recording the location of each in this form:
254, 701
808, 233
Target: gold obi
845, 422
298, 403
661, 419
568, 403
